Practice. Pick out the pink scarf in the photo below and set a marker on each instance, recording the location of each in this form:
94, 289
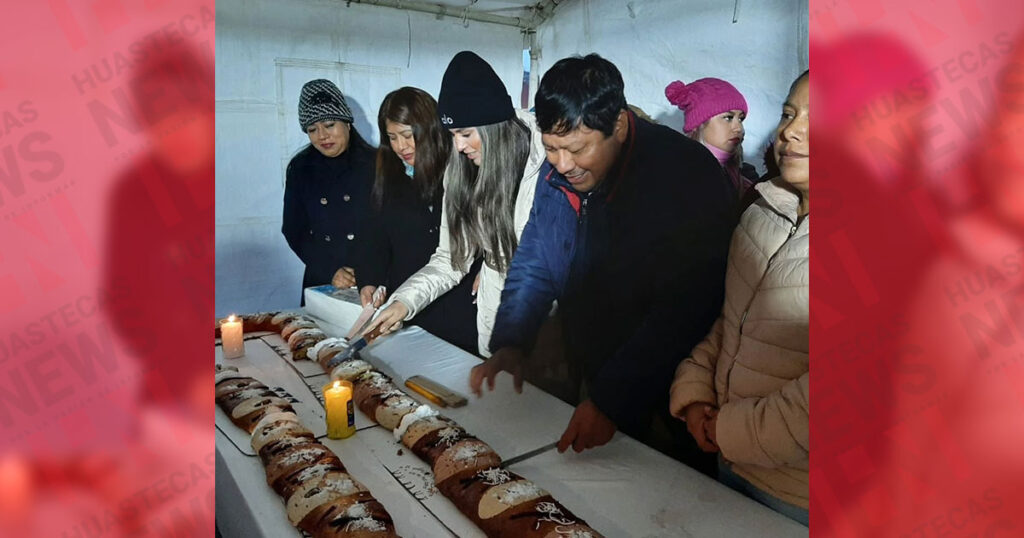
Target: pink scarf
720, 154
741, 183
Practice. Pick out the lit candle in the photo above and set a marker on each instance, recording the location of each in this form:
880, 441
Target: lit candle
341, 416
231, 337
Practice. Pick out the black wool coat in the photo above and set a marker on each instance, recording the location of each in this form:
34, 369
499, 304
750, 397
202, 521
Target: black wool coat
326, 204
399, 239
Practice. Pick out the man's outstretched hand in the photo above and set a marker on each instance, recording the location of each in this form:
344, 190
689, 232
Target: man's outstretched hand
509, 359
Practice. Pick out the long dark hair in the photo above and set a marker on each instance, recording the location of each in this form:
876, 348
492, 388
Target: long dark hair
356, 140
481, 200
417, 109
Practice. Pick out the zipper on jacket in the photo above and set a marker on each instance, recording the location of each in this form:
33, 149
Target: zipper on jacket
743, 319
583, 208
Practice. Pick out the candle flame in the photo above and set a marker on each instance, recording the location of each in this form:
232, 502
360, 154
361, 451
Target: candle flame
231, 318
337, 384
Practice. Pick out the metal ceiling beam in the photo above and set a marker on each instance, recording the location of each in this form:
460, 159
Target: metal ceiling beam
442, 11
543, 11
540, 12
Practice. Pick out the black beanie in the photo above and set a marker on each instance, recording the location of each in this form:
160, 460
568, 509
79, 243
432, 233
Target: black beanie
472, 94
321, 100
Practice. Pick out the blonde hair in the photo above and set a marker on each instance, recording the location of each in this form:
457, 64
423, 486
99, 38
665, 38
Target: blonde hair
734, 162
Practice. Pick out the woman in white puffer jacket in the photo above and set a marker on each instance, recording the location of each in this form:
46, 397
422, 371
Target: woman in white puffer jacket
743, 391
489, 186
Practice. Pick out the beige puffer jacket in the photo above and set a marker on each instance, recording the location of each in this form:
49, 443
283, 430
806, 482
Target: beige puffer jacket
754, 364
438, 276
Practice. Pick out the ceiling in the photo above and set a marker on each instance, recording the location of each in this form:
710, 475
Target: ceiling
526, 14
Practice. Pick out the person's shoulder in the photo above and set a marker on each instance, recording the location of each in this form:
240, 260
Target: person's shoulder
545, 182
305, 154
301, 158
662, 148
660, 140
748, 171
364, 153
655, 131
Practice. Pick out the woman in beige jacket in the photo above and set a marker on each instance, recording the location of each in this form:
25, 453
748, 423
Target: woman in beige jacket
489, 185
743, 392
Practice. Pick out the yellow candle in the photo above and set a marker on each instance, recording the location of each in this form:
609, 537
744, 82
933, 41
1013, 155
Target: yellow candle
231, 337
341, 416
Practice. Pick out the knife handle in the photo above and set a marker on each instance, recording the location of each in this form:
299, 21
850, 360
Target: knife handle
372, 335
424, 385
426, 394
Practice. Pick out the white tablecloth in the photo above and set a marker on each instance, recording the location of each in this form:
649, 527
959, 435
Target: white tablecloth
622, 489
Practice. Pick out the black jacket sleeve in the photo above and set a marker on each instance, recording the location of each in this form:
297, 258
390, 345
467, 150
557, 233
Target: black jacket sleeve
294, 220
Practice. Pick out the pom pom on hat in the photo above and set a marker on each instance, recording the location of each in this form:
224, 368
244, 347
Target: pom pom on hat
678, 94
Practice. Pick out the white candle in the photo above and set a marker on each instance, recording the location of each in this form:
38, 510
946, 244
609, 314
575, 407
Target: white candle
231, 337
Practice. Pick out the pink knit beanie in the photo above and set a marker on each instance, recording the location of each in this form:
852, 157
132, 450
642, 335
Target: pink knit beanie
704, 98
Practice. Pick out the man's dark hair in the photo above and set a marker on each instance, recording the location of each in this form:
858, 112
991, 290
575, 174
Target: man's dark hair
578, 91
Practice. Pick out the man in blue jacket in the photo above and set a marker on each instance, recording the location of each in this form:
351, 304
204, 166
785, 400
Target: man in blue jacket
629, 232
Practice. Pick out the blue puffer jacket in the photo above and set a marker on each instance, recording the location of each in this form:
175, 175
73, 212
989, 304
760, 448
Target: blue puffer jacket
656, 284
540, 267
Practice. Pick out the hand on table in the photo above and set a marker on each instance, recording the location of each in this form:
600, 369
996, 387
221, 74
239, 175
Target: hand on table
697, 416
390, 319
710, 428
588, 428
344, 278
366, 296
509, 359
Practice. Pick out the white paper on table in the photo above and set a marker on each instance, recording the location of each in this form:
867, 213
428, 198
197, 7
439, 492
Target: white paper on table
510, 423
626, 489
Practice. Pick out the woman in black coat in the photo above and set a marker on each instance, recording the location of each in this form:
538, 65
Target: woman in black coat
403, 229
327, 190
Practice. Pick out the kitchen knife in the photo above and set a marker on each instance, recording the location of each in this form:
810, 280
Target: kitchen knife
512, 461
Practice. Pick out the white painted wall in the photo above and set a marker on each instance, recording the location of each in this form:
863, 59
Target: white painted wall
264, 44
654, 42
267, 48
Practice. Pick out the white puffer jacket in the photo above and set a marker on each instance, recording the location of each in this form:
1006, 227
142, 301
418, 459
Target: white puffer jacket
754, 364
438, 276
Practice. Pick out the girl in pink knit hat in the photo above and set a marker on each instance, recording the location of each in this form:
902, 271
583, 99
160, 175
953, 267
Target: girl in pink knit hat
714, 112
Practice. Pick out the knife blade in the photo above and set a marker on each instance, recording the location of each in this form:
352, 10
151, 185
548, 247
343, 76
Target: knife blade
367, 313
527, 455
355, 347
349, 352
